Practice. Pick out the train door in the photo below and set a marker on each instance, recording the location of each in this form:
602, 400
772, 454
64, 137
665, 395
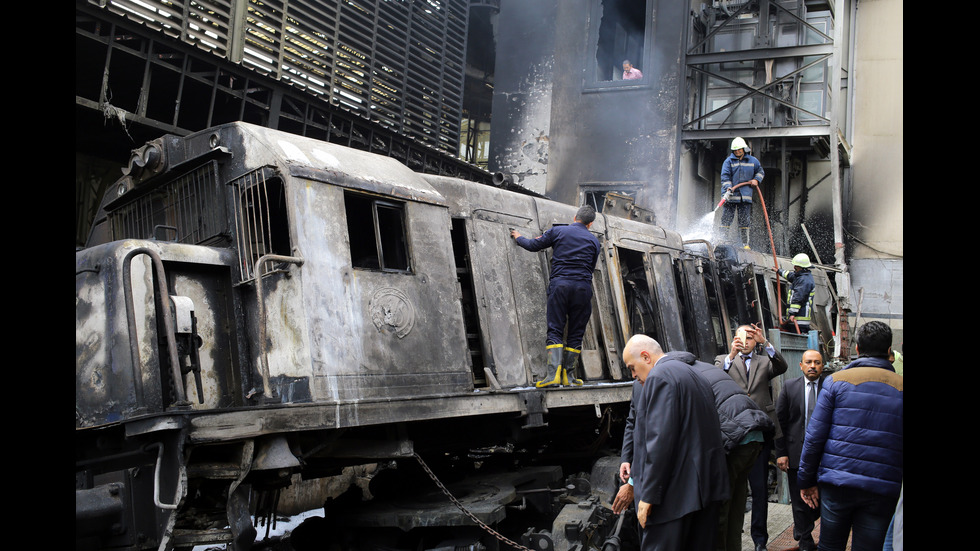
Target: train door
601, 345
704, 313
660, 272
465, 277
645, 293
509, 287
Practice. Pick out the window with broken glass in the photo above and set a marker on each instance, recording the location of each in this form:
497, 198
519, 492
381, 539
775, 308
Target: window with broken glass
376, 228
600, 196
622, 34
261, 220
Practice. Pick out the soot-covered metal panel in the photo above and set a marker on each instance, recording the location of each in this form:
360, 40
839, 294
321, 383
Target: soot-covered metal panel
522, 96
615, 131
380, 333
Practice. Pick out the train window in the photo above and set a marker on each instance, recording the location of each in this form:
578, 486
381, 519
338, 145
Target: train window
767, 299
376, 228
260, 219
601, 197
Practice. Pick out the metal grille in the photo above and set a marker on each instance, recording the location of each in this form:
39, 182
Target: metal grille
204, 23
259, 217
190, 205
399, 63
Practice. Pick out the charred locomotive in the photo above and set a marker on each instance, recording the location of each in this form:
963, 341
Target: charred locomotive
253, 304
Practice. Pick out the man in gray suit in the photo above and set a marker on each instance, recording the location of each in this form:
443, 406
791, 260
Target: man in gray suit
793, 408
753, 362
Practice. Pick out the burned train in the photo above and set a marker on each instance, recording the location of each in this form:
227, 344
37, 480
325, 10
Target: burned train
254, 305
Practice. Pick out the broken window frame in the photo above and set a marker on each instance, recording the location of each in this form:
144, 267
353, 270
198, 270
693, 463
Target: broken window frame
592, 80
389, 252
260, 215
589, 193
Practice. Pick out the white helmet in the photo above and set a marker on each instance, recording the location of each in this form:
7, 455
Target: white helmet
801, 260
739, 143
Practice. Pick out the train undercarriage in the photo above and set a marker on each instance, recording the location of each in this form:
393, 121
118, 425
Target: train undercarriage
532, 477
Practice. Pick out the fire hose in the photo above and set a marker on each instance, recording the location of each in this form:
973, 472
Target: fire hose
772, 245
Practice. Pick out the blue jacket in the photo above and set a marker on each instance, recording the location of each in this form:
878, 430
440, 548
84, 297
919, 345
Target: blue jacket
800, 294
855, 436
734, 171
574, 251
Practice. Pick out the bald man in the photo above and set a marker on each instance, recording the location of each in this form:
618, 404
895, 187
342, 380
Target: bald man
679, 472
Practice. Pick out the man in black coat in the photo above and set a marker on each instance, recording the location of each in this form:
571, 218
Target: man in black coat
626, 455
744, 428
753, 362
679, 472
791, 411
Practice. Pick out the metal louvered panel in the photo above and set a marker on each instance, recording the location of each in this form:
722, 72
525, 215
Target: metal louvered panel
204, 23
263, 36
208, 25
398, 63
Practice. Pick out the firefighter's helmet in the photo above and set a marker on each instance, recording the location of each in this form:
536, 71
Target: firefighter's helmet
801, 260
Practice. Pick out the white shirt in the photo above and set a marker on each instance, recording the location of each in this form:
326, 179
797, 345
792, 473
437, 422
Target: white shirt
770, 349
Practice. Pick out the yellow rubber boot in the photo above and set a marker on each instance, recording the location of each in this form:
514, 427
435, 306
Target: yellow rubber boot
570, 363
745, 237
554, 364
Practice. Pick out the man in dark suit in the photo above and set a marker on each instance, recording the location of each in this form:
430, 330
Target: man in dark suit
679, 472
754, 370
793, 408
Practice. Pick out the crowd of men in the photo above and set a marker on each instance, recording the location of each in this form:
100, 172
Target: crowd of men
698, 434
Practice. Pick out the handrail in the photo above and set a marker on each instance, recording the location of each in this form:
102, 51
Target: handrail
167, 322
263, 361
156, 480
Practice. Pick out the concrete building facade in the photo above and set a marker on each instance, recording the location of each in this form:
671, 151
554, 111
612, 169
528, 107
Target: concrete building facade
815, 88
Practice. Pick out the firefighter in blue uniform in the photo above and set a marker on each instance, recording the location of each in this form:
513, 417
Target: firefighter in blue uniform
574, 254
739, 174
799, 296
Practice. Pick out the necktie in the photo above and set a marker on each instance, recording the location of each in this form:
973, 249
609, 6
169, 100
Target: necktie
745, 359
811, 400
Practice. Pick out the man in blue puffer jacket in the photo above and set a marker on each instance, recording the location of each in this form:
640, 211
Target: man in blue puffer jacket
852, 460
